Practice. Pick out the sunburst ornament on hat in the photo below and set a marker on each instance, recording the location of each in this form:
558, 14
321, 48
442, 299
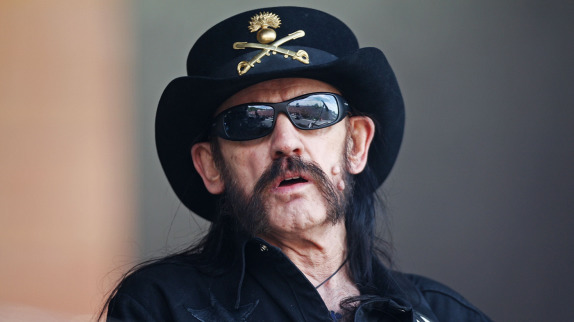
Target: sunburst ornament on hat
263, 22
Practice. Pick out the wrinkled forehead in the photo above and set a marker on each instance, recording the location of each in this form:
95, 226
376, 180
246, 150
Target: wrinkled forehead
276, 90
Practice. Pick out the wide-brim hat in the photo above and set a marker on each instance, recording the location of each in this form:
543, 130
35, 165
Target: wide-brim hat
187, 105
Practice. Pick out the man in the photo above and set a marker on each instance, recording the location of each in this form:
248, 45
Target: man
280, 135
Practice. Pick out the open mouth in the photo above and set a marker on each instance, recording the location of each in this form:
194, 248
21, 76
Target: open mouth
291, 181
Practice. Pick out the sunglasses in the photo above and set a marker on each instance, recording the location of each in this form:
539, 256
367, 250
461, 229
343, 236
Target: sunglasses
256, 120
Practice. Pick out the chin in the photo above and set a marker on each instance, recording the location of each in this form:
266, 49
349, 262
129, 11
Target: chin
297, 218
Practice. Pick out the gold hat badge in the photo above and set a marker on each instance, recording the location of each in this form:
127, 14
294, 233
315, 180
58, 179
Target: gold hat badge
263, 22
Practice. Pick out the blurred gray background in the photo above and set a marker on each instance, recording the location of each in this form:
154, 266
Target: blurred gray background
481, 195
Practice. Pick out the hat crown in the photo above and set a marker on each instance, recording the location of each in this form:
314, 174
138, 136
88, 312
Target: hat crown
323, 32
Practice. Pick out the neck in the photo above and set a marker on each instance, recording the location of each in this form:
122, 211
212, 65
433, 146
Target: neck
318, 254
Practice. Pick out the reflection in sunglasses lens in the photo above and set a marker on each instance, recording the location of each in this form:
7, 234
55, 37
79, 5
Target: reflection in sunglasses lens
314, 111
248, 121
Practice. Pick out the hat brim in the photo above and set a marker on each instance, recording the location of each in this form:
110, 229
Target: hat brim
186, 107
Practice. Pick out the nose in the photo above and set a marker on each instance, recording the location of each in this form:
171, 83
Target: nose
285, 138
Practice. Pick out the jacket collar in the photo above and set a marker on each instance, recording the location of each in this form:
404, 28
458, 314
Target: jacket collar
400, 300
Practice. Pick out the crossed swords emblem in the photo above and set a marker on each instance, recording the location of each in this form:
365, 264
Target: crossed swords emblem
262, 22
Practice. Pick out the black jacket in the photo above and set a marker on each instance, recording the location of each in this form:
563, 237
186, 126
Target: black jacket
267, 286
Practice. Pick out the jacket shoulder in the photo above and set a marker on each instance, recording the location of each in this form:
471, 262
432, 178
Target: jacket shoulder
446, 304
152, 291
164, 273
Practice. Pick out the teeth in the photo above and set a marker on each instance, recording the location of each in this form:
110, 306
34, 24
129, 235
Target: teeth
294, 178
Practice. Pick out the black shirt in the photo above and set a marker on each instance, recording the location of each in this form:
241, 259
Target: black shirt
267, 286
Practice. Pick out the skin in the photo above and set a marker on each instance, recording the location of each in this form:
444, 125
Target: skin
297, 213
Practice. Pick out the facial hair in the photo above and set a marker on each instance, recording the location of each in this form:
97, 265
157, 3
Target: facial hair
250, 209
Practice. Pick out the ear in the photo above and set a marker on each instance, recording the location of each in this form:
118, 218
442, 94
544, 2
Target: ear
362, 131
205, 166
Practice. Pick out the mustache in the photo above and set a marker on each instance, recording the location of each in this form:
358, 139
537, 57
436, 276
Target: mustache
248, 209
292, 164
280, 167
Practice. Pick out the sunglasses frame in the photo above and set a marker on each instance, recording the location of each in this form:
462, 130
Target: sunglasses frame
218, 126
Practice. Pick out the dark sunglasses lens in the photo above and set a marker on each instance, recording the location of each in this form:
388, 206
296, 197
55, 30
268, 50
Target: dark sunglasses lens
314, 112
248, 121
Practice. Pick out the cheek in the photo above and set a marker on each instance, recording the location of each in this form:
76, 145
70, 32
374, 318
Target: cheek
337, 171
330, 155
247, 167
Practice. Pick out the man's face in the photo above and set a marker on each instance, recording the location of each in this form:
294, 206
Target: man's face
294, 197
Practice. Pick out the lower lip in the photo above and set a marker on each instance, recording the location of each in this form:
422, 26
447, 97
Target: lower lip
291, 188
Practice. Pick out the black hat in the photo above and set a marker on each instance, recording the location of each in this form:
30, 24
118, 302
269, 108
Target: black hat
264, 44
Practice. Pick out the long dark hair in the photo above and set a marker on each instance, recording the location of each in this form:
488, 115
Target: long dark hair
218, 250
